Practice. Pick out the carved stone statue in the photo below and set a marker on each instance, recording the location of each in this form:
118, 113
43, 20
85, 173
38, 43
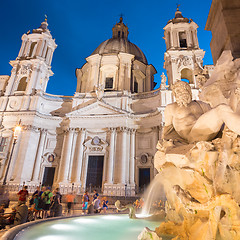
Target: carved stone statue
163, 81
193, 121
128, 206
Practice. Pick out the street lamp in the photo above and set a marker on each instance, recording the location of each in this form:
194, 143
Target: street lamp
17, 131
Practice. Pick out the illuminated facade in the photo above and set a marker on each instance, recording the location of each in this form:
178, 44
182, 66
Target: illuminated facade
105, 136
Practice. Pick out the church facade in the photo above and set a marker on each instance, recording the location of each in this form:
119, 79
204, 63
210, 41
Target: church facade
105, 136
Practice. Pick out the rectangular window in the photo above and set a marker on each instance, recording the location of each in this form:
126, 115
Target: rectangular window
109, 83
3, 143
182, 39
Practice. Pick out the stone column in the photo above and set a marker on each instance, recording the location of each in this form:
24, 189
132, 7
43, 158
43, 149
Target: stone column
44, 49
79, 155
32, 80
160, 129
50, 59
27, 48
23, 167
48, 55
14, 157
111, 156
11, 81
122, 167
66, 156
171, 39
132, 157
22, 47
39, 47
189, 38
195, 38
37, 166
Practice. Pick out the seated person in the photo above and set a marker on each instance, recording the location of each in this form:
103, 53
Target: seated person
7, 219
96, 205
21, 214
105, 204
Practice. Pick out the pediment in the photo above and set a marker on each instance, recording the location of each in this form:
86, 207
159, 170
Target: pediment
96, 108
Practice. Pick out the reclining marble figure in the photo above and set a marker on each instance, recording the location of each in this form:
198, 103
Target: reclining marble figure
192, 121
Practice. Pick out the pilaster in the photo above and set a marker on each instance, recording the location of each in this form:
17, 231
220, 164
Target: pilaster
36, 171
66, 156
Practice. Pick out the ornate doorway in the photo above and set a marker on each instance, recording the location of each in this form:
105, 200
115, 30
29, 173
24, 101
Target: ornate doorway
144, 178
94, 172
48, 176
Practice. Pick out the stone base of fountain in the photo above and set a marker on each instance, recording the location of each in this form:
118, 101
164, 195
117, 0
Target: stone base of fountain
202, 189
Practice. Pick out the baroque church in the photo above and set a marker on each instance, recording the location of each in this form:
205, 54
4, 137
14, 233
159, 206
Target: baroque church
105, 136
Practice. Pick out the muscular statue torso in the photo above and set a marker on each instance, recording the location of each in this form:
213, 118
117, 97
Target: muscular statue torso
183, 118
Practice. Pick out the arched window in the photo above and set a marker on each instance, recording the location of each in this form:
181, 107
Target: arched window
119, 34
32, 48
135, 90
22, 84
186, 75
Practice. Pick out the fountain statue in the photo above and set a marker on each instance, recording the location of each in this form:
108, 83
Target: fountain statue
123, 208
198, 159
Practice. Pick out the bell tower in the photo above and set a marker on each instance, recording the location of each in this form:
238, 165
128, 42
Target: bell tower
183, 54
32, 68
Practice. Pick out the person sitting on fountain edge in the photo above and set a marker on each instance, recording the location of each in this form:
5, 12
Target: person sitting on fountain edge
193, 121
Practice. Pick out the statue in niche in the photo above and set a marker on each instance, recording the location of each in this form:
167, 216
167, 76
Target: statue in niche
163, 81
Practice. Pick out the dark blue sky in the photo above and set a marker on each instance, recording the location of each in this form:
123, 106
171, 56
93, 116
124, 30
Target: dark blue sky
80, 26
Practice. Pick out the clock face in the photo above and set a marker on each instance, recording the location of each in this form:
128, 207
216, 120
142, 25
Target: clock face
96, 140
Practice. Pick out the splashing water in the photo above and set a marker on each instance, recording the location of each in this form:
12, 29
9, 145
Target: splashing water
154, 193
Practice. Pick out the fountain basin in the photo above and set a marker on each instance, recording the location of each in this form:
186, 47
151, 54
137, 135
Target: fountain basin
110, 226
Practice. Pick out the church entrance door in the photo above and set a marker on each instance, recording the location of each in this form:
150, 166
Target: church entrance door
48, 176
144, 178
94, 172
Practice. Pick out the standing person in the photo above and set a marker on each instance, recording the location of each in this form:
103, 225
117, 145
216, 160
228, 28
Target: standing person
36, 192
95, 195
47, 197
41, 202
105, 204
56, 207
36, 208
85, 201
70, 201
23, 194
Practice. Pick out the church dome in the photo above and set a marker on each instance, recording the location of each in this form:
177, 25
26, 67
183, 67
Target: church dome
117, 45
179, 17
120, 43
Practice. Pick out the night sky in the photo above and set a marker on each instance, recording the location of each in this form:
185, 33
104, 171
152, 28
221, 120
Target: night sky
80, 26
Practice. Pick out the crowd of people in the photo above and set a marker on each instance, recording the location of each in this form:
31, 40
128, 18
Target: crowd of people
44, 203
94, 205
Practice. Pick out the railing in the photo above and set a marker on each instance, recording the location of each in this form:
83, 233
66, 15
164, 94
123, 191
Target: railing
146, 94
